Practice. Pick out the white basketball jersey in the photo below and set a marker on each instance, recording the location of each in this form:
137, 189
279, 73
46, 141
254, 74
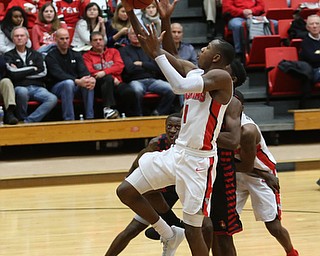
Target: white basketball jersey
201, 121
264, 159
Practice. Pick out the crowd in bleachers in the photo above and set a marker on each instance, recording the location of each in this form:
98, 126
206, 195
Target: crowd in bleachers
124, 70
293, 23
69, 49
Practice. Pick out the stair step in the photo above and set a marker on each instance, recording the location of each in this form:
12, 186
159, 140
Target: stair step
259, 112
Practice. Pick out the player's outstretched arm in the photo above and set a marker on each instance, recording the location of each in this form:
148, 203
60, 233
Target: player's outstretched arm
151, 43
230, 137
165, 9
250, 137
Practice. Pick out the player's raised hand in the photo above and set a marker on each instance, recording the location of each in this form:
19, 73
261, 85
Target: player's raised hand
165, 8
150, 42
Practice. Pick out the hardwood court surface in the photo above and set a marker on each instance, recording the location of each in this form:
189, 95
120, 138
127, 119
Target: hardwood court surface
84, 219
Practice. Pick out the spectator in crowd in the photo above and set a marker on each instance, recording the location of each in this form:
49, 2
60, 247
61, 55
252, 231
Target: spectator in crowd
15, 16
31, 7
70, 11
103, 5
106, 66
310, 46
45, 28
150, 15
238, 11
112, 5
7, 95
297, 28
26, 69
117, 28
215, 23
185, 51
92, 21
143, 74
69, 76
3, 8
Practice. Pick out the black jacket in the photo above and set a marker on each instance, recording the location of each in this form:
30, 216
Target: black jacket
65, 66
2, 66
149, 68
298, 69
32, 72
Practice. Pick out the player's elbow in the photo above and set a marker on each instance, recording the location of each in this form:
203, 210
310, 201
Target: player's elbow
234, 144
178, 88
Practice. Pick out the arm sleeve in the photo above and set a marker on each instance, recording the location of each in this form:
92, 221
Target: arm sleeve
89, 63
82, 33
35, 37
118, 65
81, 67
41, 66
2, 66
3, 46
258, 9
179, 84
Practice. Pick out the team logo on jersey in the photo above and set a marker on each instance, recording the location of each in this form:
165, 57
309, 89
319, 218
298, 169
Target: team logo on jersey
222, 224
196, 96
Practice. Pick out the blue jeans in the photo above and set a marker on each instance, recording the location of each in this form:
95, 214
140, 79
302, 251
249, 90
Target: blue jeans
37, 93
66, 90
235, 25
45, 49
158, 86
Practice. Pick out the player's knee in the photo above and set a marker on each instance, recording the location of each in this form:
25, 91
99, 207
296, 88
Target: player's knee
124, 192
274, 227
207, 228
226, 243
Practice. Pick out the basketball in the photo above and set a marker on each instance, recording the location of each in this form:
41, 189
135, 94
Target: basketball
139, 4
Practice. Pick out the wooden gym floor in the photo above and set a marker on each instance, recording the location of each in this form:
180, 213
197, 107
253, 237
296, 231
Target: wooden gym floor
83, 219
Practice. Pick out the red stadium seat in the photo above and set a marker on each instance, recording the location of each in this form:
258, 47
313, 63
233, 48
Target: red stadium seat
254, 54
296, 42
280, 83
283, 26
278, 9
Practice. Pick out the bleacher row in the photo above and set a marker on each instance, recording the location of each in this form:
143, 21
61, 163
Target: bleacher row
265, 52
272, 8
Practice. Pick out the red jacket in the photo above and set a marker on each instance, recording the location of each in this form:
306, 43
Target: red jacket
109, 61
236, 7
41, 34
3, 8
31, 8
70, 12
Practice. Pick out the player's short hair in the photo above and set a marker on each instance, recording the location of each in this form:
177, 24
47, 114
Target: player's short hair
177, 114
239, 72
226, 50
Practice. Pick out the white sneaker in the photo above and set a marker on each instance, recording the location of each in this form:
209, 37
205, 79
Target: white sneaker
171, 245
110, 113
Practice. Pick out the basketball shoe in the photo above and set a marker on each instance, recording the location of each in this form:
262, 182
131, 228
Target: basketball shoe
171, 245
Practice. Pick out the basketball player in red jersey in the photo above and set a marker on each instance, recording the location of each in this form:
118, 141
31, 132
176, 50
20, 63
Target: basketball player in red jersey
190, 164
